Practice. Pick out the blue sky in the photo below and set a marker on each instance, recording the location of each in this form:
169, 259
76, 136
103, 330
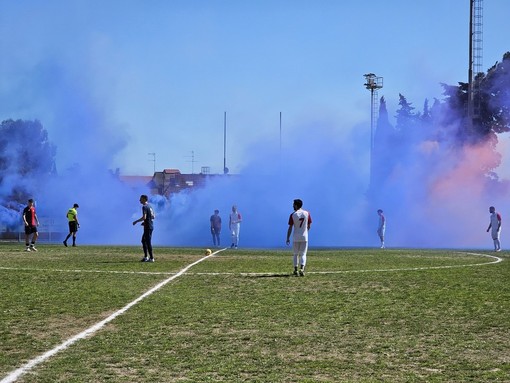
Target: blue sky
121, 79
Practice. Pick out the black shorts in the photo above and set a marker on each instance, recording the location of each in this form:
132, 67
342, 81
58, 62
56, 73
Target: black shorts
216, 230
30, 229
73, 227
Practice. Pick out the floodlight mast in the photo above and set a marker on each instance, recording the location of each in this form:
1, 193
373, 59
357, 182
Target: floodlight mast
373, 83
475, 58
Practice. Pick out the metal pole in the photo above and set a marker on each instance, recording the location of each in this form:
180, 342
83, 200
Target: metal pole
280, 134
371, 134
225, 143
371, 119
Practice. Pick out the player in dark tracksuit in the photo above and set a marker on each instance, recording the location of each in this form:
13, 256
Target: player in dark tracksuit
148, 226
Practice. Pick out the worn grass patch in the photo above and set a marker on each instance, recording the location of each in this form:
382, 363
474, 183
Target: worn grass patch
357, 316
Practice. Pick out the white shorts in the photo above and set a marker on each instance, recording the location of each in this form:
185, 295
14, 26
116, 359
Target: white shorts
300, 248
495, 234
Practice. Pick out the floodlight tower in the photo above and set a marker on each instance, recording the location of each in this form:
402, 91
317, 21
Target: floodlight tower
475, 58
373, 83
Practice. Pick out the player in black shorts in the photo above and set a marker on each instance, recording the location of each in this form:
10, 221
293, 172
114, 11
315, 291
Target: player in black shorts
72, 217
146, 220
31, 222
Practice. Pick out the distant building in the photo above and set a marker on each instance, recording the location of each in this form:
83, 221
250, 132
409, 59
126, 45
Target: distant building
170, 181
136, 181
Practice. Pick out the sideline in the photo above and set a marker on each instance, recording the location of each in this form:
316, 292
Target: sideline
11, 377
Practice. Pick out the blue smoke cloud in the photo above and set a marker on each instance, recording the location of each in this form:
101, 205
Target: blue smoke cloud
435, 195
435, 192
315, 164
435, 198
87, 140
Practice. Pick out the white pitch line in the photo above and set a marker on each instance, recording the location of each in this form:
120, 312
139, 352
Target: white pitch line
496, 260
93, 329
88, 271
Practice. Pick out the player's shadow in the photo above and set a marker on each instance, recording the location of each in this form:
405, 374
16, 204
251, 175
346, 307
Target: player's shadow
270, 276
114, 262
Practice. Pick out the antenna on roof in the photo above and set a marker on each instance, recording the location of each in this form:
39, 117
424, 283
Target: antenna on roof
192, 161
153, 160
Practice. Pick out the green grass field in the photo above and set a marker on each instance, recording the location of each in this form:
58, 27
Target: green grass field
359, 315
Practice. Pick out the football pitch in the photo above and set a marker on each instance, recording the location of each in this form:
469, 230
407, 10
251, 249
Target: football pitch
97, 314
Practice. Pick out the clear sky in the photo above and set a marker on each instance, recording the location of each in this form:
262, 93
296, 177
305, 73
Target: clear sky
125, 78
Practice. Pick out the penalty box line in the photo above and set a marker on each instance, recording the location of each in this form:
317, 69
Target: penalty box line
14, 375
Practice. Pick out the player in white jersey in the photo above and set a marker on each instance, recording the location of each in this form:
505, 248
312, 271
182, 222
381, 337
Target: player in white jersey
381, 228
299, 221
495, 225
234, 224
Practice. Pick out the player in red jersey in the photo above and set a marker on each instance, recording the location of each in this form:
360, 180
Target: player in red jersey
31, 222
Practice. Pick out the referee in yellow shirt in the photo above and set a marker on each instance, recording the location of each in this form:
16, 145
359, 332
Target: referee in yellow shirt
72, 217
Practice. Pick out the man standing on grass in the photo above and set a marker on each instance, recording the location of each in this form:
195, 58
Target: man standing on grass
216, 227
146, 220
234, 224
381, 228
495, 225
300, 221
31, 222
72, 217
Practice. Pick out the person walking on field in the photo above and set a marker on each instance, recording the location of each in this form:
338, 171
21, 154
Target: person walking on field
148, 226
72, 217
234, 224
31, 222
216, 227
495, 225
300, 221
381, 228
